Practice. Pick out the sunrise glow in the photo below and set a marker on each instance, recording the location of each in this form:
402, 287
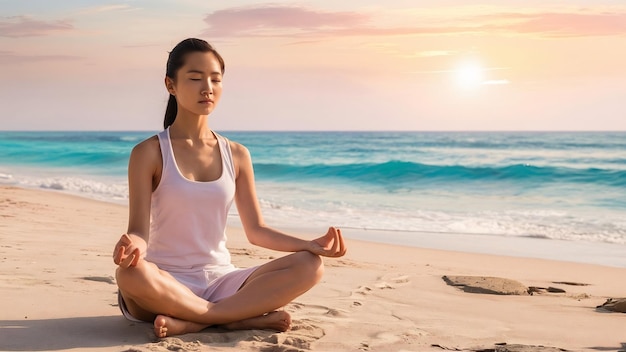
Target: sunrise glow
469, 75
310, 66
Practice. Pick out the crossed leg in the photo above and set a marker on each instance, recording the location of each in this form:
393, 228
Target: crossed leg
276, 320
154, 295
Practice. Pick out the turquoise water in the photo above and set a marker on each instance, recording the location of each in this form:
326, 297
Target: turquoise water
552, 185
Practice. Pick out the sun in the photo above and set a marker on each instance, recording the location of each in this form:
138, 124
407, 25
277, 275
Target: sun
469, 75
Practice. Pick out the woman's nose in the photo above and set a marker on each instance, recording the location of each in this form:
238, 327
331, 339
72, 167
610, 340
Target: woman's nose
207, 89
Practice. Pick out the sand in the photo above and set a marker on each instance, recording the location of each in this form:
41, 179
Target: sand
58, 293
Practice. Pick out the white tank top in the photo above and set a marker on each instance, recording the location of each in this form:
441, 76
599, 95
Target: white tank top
188, 218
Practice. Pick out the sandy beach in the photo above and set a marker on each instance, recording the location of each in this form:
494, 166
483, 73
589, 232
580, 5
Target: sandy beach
58, 293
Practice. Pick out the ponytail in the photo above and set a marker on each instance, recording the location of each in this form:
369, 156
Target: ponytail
170, 112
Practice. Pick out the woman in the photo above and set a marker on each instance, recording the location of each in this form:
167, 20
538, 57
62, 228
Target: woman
173, 265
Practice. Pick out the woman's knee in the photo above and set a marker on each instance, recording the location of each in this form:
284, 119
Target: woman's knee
131, 280
311, 265
124, 278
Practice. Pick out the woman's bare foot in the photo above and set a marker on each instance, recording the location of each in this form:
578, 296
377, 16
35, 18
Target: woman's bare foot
278, 320
167, 326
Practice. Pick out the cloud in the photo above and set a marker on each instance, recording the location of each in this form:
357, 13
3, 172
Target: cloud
107, 8
565, 24
274, 20
9, 57
303, 23
431, 53
23, 26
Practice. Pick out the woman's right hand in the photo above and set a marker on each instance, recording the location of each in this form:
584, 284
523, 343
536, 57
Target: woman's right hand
128, 252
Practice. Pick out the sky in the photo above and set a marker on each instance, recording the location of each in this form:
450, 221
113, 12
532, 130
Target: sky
439, 65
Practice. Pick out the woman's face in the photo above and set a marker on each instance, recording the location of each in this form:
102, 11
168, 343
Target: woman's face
198, 84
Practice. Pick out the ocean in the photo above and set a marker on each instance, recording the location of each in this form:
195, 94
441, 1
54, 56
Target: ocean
396, 187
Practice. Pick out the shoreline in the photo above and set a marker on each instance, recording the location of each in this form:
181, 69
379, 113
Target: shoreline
600, 253
56, 278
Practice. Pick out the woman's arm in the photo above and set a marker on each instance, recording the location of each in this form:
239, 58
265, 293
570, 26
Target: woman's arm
142, 173
258, 233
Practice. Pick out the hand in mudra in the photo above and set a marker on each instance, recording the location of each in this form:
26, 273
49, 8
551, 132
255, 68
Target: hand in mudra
126, 254
329, 245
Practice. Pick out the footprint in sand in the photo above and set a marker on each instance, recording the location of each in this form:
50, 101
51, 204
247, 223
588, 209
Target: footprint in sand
357, 295
301, 336
392, 281
343, 263
316, 311
384, 282
383, 339
363, 290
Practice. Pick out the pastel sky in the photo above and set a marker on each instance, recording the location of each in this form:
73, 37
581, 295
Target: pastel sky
320, 65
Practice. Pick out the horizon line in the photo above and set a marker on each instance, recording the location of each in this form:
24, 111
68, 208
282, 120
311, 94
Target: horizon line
339, 130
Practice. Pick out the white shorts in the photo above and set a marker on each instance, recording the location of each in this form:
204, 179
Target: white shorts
203, 283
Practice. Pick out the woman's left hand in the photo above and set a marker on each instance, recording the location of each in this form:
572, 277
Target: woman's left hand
329, 245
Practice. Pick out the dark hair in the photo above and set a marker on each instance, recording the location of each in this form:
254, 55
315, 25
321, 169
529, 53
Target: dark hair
176, 60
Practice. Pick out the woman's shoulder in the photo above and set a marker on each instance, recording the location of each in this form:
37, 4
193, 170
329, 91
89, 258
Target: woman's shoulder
238, 149
148, 147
